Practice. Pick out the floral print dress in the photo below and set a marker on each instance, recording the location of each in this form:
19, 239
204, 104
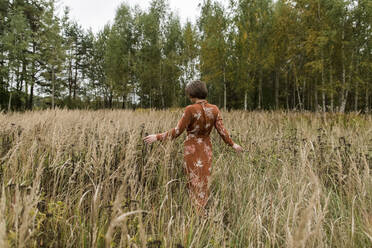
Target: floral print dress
198, 120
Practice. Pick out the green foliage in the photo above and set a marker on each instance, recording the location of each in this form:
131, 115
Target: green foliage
302, 55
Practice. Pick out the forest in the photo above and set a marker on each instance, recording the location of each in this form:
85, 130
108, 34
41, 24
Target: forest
293, 81
300, 55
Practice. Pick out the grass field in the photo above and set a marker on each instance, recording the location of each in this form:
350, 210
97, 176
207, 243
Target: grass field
86, 179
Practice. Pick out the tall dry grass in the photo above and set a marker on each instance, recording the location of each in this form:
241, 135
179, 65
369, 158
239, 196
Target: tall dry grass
86, 179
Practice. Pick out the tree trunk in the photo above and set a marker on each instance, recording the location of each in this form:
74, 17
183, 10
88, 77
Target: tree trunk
300, 101
24, 78
260, 89
245, 100
150, 101
2, 80
287, 90
162, 96
124, 102
343, 106
10, 102
134, 104
224, 97
277, 89
367, 101
343, 102
344, 93
110, 100
331, 84
305, 98
356, 97
10, 80
316, 102
19, 78
367, 109
224, 90
161, 87
75, 82
53, 87
308, 91
70, 83
293, 96
31, 98
323, 86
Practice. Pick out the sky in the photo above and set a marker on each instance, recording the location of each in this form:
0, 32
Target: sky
96, 13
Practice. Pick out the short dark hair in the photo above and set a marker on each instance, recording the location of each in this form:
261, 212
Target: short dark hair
196, 89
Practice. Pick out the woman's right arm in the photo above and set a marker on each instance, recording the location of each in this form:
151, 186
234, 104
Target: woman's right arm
183, 123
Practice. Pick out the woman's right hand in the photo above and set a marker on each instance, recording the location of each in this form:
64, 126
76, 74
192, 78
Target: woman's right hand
238, 148
150, 139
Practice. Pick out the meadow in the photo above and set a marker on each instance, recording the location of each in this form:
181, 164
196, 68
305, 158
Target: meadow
86, 179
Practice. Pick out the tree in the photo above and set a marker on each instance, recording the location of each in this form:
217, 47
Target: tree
4, 9
190, 52
253, 21
120, 52
97, 69
16, 41
172, 61
52, 53
214, 52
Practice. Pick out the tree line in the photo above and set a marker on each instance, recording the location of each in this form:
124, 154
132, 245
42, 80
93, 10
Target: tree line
253, 54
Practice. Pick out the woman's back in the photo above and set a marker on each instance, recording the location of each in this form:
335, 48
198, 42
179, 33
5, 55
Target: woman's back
203, 117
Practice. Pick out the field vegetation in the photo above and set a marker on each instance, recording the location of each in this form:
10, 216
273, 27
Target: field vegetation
85, 179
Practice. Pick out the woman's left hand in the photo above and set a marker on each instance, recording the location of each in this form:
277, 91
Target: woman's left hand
150, 139
238, 148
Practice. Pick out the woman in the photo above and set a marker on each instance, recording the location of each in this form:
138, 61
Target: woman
198, 119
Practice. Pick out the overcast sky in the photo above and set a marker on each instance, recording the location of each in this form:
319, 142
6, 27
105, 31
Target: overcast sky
96, 13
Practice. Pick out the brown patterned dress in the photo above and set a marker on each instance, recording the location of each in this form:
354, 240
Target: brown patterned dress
199, 120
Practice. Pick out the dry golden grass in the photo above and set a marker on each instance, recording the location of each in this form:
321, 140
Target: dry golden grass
86, 179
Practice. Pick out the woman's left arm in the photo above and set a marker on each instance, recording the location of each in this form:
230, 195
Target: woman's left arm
224, 134
183, 123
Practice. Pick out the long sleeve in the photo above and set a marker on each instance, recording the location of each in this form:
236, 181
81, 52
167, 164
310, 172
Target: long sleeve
222, 131
183, 123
